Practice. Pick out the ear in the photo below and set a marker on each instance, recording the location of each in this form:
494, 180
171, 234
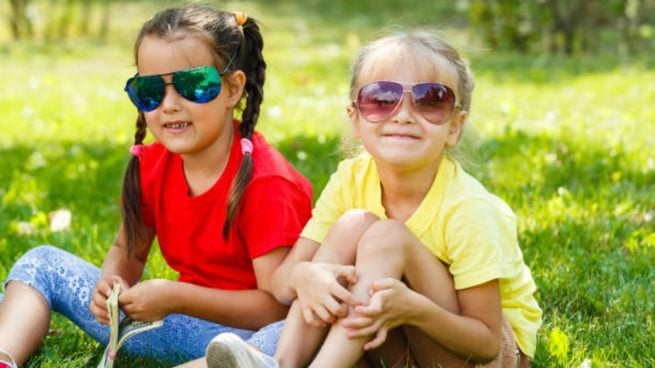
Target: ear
456, 127
236, 82
353, 116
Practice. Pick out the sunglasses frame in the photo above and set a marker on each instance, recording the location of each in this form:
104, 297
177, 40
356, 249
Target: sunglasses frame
407, 88
132, 94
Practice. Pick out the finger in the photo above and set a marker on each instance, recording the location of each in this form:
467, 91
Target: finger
103, 288
382, 284
99, 314
323, 314
368, 311
364, 331
357, 322
308, 315
343, 294
334, 307
128, 296
124, 284
342, 311
380, 338
348, 273
316, 321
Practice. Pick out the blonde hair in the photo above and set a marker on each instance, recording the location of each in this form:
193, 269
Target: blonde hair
425, 43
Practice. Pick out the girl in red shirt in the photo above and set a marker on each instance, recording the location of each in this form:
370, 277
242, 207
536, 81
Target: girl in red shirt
223, 204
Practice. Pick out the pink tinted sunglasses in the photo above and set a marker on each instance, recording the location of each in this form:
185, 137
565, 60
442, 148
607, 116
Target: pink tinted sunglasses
379, 100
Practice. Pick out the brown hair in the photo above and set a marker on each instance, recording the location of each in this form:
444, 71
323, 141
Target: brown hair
227, 39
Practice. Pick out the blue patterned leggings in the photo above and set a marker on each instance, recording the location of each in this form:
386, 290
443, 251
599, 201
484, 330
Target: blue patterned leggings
67, 281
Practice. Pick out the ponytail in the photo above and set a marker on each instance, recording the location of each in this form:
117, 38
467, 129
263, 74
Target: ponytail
254, 67
131, 193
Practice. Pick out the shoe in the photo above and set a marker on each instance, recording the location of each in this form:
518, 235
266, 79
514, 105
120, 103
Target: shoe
6, 360
228, 350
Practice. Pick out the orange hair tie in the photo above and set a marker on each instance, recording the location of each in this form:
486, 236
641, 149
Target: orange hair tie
241, 18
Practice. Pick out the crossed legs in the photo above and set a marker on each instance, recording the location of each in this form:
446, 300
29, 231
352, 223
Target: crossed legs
378, 249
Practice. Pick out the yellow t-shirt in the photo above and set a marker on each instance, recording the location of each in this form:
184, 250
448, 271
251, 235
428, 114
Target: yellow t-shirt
459, 221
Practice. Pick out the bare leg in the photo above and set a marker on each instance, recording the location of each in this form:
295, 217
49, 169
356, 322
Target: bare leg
299, 340
389, 249
24, 320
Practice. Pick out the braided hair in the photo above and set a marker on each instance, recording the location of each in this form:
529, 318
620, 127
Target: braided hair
230, 37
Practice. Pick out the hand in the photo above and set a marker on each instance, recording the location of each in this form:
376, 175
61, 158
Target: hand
321, 289
386, 310
147, 300
103, 288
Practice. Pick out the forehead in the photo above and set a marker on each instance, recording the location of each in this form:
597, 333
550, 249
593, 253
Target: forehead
161, 55
406, 63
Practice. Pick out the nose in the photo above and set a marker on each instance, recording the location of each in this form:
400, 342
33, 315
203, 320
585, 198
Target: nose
171, 101
405, 110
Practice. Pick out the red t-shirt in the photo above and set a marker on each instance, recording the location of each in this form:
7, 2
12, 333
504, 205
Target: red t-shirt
273, 210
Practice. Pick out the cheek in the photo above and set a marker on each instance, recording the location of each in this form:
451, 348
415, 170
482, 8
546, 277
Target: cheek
150, 118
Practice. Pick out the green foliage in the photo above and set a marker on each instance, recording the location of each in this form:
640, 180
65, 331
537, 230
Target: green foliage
566, 142
565, 25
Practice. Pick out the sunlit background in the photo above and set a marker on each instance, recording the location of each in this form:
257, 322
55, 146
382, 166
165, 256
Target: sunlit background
563, 110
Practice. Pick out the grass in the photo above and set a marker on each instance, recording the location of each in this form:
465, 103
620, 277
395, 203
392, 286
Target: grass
566, 142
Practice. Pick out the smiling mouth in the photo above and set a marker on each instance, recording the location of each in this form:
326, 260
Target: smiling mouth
176, 125
400, 136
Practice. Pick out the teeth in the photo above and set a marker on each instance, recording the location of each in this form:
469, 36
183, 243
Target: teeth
177, 125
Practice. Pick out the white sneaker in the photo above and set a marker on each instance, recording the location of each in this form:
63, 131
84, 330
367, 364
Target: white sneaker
6, 360
228, 350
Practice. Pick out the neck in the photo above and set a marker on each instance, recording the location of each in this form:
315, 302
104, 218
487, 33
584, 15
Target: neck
202, 169
403, 190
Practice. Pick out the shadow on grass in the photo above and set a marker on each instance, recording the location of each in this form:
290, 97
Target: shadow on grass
582, 207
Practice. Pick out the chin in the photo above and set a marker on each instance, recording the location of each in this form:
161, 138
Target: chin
177, 148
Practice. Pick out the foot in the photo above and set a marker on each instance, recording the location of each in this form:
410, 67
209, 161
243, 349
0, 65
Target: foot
228, 350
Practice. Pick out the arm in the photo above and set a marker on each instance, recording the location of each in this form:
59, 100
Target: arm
475, 331
119, 267
249, 309
320, 285
282, 282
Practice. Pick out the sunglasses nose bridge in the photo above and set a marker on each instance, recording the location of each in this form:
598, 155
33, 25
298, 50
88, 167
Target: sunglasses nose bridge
171, 96
404, 107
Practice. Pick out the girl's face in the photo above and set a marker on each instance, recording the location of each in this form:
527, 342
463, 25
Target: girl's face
406, 140
182, 126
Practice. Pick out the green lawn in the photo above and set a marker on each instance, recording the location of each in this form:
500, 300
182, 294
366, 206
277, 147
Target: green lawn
566, 142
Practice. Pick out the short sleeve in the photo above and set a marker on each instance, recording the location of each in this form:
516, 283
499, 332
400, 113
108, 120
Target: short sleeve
272, 214
481, 242
152, 162
327, 210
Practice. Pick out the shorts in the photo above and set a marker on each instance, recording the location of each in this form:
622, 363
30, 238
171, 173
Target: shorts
510, 356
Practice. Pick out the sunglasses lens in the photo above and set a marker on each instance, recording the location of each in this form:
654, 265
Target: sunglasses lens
199, 85
377, 100
146, 92
434, 101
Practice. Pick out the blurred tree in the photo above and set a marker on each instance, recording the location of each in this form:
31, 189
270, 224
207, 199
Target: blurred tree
566, 26
20, 23
60, 19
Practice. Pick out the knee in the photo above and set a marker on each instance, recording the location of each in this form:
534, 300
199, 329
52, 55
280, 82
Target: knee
39, 260
347, 232
356, 220
385, 236
43, 251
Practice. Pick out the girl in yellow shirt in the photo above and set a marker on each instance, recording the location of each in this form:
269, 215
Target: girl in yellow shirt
407, 260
